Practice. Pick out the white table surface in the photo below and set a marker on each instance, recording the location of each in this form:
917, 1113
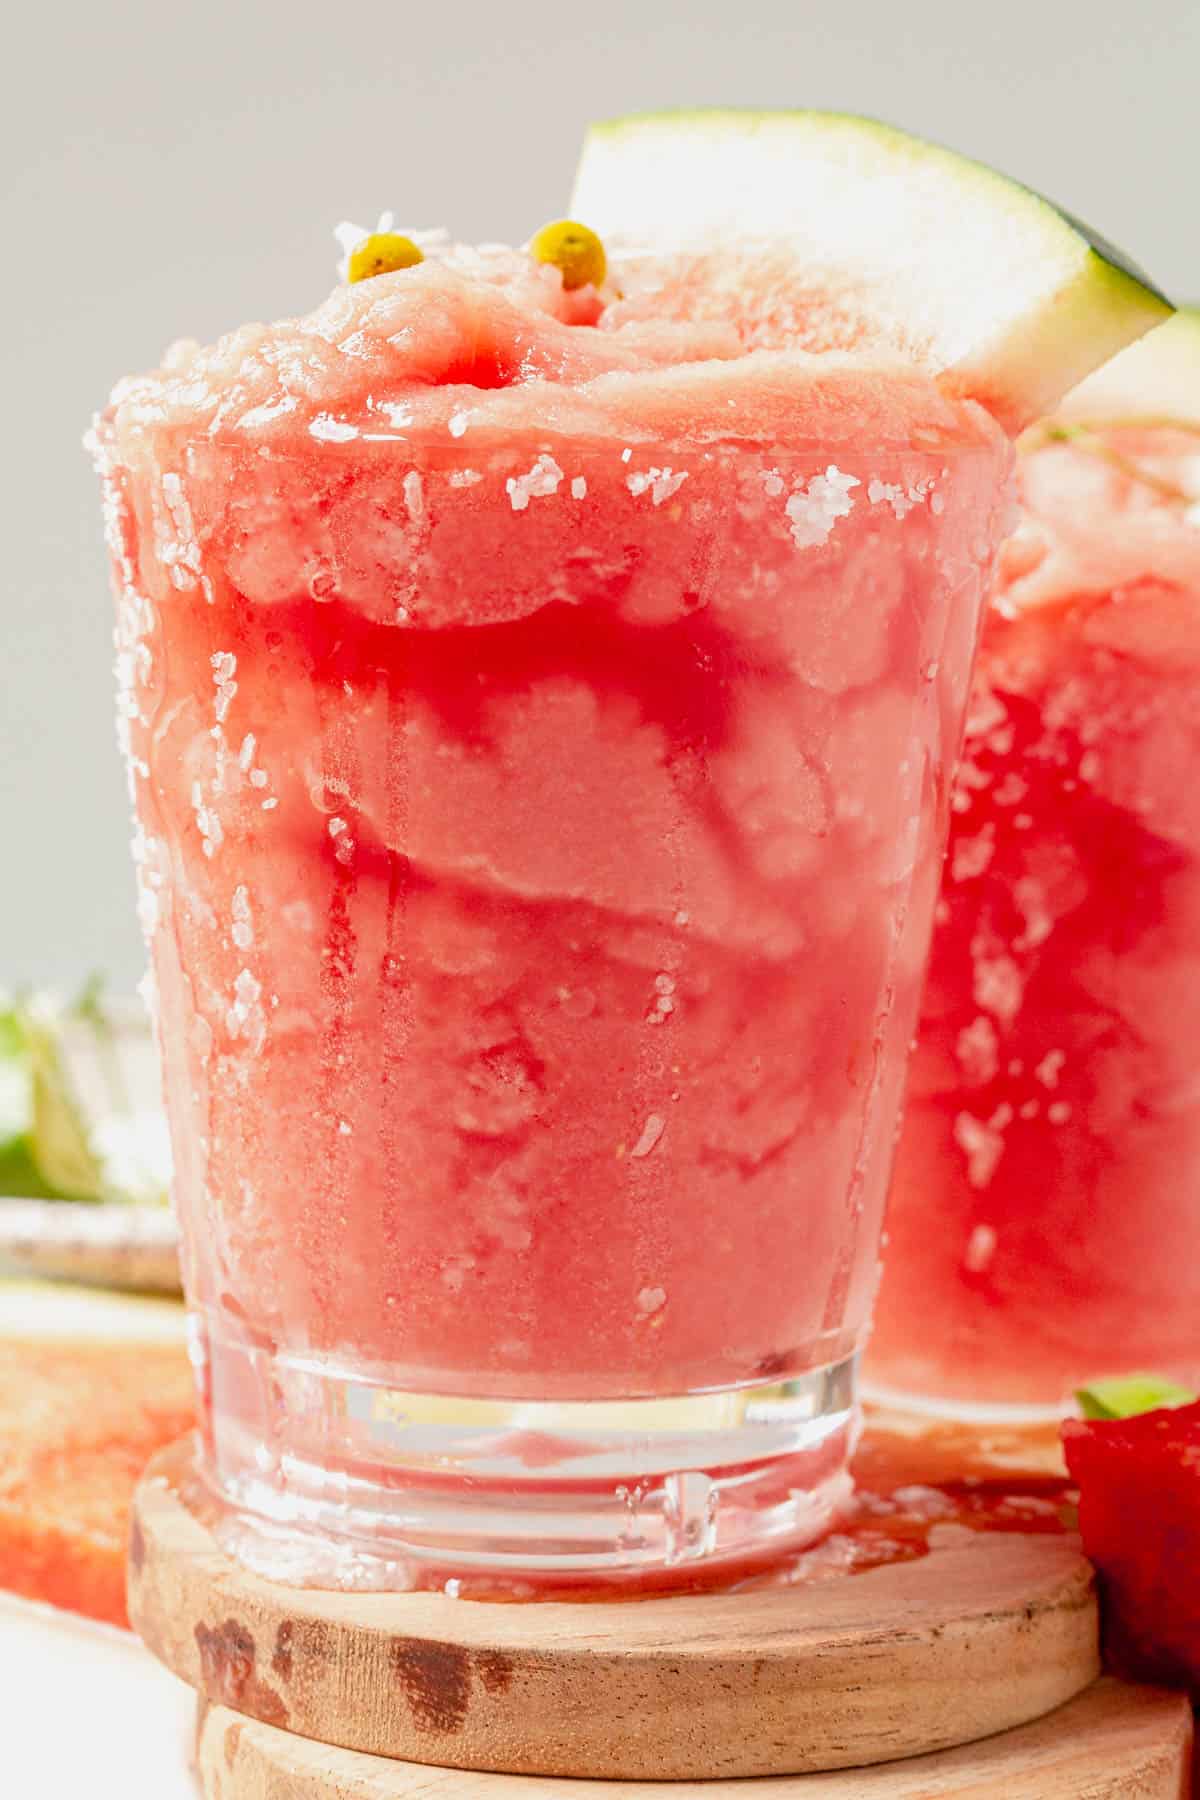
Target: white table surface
87, 1714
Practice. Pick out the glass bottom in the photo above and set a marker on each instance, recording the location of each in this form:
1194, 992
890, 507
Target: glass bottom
329, 1478
1000, 1414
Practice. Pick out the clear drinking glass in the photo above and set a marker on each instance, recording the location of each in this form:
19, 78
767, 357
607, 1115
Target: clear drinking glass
537, 846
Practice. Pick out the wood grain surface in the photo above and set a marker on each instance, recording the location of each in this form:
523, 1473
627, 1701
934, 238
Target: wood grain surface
1112, 1742
972, 1639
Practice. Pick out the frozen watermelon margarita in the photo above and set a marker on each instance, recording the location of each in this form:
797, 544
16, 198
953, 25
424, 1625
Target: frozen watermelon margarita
540, 683
1048, 1182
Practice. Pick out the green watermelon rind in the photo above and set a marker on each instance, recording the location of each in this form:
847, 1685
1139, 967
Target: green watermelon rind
1040, 303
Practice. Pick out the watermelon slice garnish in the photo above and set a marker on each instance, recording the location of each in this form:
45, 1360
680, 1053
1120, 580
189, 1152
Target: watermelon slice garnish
1139, 1516
1155, 381
878, 240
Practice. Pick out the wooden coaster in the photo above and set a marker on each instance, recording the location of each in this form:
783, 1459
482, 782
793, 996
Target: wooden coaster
971, 1639
131, 1247
1112, 1742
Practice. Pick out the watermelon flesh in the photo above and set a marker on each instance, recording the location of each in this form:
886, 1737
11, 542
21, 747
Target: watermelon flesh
1047, 1172
1139, 1515
539, 723
81, 1418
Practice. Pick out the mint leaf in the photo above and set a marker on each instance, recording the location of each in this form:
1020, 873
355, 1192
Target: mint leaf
1124, 1395
45, 1147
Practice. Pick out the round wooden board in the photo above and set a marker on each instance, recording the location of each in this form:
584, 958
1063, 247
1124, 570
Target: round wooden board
132, 1247
1111, 1742
971, 1639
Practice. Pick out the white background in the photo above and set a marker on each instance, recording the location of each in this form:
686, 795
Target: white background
172, 169
89, 1714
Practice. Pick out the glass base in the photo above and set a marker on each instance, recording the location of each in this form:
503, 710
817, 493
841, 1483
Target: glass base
1001, 1415
328, 1478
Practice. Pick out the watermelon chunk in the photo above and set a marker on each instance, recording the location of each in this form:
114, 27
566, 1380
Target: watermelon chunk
1139, 1515
868, 237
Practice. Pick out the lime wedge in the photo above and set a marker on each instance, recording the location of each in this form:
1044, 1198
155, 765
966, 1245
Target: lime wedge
1124, 1395
45, 1149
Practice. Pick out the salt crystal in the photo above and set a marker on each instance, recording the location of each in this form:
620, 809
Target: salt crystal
662, 483
815, 509
982, 1145
652, 1130
651, 1300
246, 753
243, 927
181, 554
455, 1271
773, 483
998, 984
1030, 897
1012, 789
147, 909
986, 711
578, 487
542, 480
972, 855
263, 415
458, 423
224, 663
268, 805
880, 492
461, 478
626, 454
259, 778
247, 988
332, 431
1049, 1068
414, 497
246, 1018
976, 1048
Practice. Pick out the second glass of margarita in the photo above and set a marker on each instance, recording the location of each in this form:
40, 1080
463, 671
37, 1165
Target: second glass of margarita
1048, 1178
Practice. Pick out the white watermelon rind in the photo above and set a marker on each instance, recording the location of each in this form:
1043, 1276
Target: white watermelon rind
1011, 300
1155, 381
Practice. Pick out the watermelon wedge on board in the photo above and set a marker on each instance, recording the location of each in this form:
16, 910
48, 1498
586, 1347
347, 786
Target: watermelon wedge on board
90, 1387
